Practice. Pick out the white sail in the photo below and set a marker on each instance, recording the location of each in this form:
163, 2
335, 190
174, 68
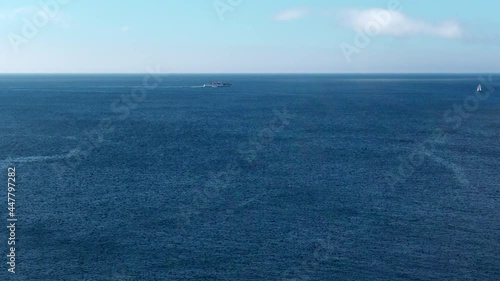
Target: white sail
479, 89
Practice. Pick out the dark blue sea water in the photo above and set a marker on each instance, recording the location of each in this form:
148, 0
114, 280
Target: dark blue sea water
280, 177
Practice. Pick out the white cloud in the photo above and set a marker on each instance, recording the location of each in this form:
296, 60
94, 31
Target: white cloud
292, 14
395, 23
125, 28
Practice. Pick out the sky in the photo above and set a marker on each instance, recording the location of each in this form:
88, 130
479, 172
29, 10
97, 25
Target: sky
249, 36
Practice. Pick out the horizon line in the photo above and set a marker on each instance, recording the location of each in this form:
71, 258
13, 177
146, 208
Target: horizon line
231, 73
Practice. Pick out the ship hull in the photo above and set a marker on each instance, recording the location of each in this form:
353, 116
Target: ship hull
217, 85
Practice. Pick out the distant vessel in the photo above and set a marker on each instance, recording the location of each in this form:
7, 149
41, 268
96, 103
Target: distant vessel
479, 89
217, 84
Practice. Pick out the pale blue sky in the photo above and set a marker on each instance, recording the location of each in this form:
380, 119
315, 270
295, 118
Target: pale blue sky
302, 36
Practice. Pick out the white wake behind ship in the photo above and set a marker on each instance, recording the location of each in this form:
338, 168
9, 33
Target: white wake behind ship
217, 84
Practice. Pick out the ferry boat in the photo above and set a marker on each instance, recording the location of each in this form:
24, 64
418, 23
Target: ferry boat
217, 84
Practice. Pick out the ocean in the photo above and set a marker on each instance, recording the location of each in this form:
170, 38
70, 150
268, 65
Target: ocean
279, 177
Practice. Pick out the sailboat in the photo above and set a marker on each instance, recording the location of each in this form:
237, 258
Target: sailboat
479, 89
